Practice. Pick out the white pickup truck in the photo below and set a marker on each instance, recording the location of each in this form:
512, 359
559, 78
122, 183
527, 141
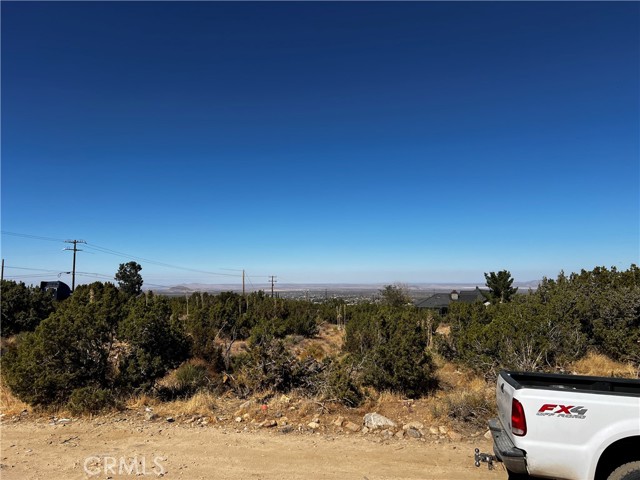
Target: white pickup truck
566, 427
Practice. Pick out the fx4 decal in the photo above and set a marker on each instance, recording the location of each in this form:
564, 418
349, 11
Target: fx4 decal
565, 411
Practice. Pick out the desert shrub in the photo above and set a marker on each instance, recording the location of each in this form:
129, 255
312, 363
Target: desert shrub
521, 335
313, 350
472, 407
202, 334
268, 365
263, 332
185, 381
361, 328
390, 347
213, 319
90, 400
71, 350
300, 319
616, 326
227, 317
444, 346
68, 350
288, 317
395, 296
469, 342
191, 377
23, 308
553, 326
156, 343
530, 336
606, 302
338, 382
107, 303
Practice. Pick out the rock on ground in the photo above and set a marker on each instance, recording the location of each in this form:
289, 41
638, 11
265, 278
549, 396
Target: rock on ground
375, 420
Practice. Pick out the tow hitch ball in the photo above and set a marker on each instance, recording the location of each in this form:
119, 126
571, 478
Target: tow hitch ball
484, 458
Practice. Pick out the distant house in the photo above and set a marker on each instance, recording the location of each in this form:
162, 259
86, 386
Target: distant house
59, 290
441, 301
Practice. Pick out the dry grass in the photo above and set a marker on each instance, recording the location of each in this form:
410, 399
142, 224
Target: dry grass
598, 365
464, 402
328, 342
465, 406
454, 377
141, 401
9, 404
464, 398
201, 403
170, 380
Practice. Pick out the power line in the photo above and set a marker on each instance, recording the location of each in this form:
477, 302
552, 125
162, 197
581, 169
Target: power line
250, 282
46, 272
109, 251
92, 274
34, 237
154, 262
33, 275
34, 269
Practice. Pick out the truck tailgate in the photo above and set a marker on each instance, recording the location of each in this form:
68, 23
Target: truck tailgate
504, 397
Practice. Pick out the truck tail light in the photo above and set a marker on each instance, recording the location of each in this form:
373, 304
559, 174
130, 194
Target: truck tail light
518, 420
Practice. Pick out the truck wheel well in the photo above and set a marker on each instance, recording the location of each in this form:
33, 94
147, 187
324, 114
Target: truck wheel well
616, 454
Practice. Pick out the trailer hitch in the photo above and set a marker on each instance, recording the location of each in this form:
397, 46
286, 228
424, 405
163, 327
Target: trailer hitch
484, 458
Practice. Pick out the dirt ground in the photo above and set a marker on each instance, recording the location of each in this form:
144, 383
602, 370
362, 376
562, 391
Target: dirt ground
118, 448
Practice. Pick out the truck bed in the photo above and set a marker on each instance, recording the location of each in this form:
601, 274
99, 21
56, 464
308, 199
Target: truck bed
595, 385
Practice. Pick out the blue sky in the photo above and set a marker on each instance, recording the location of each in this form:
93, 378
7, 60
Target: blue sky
321, 142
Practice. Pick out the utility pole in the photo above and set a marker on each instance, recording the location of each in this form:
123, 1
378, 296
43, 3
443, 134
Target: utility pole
74, 249
273, 280
243, 282
2, 275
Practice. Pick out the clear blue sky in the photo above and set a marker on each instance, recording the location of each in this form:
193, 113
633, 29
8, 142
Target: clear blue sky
321, 142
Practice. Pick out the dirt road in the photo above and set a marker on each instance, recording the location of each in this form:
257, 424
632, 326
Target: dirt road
118, 450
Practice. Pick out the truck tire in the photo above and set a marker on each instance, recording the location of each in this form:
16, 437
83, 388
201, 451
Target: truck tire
628, 471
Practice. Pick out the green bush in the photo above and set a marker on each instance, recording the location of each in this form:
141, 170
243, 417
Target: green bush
90, 400
231, 316
338, 383
390, 345
552, 326
287, 317
68, 350
301, 319
202, 333
268, 365
616, 324
190, 377
521, 335
74, 349
156, 343
23, 308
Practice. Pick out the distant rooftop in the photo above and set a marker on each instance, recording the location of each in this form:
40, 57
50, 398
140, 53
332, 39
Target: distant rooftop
441, 301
